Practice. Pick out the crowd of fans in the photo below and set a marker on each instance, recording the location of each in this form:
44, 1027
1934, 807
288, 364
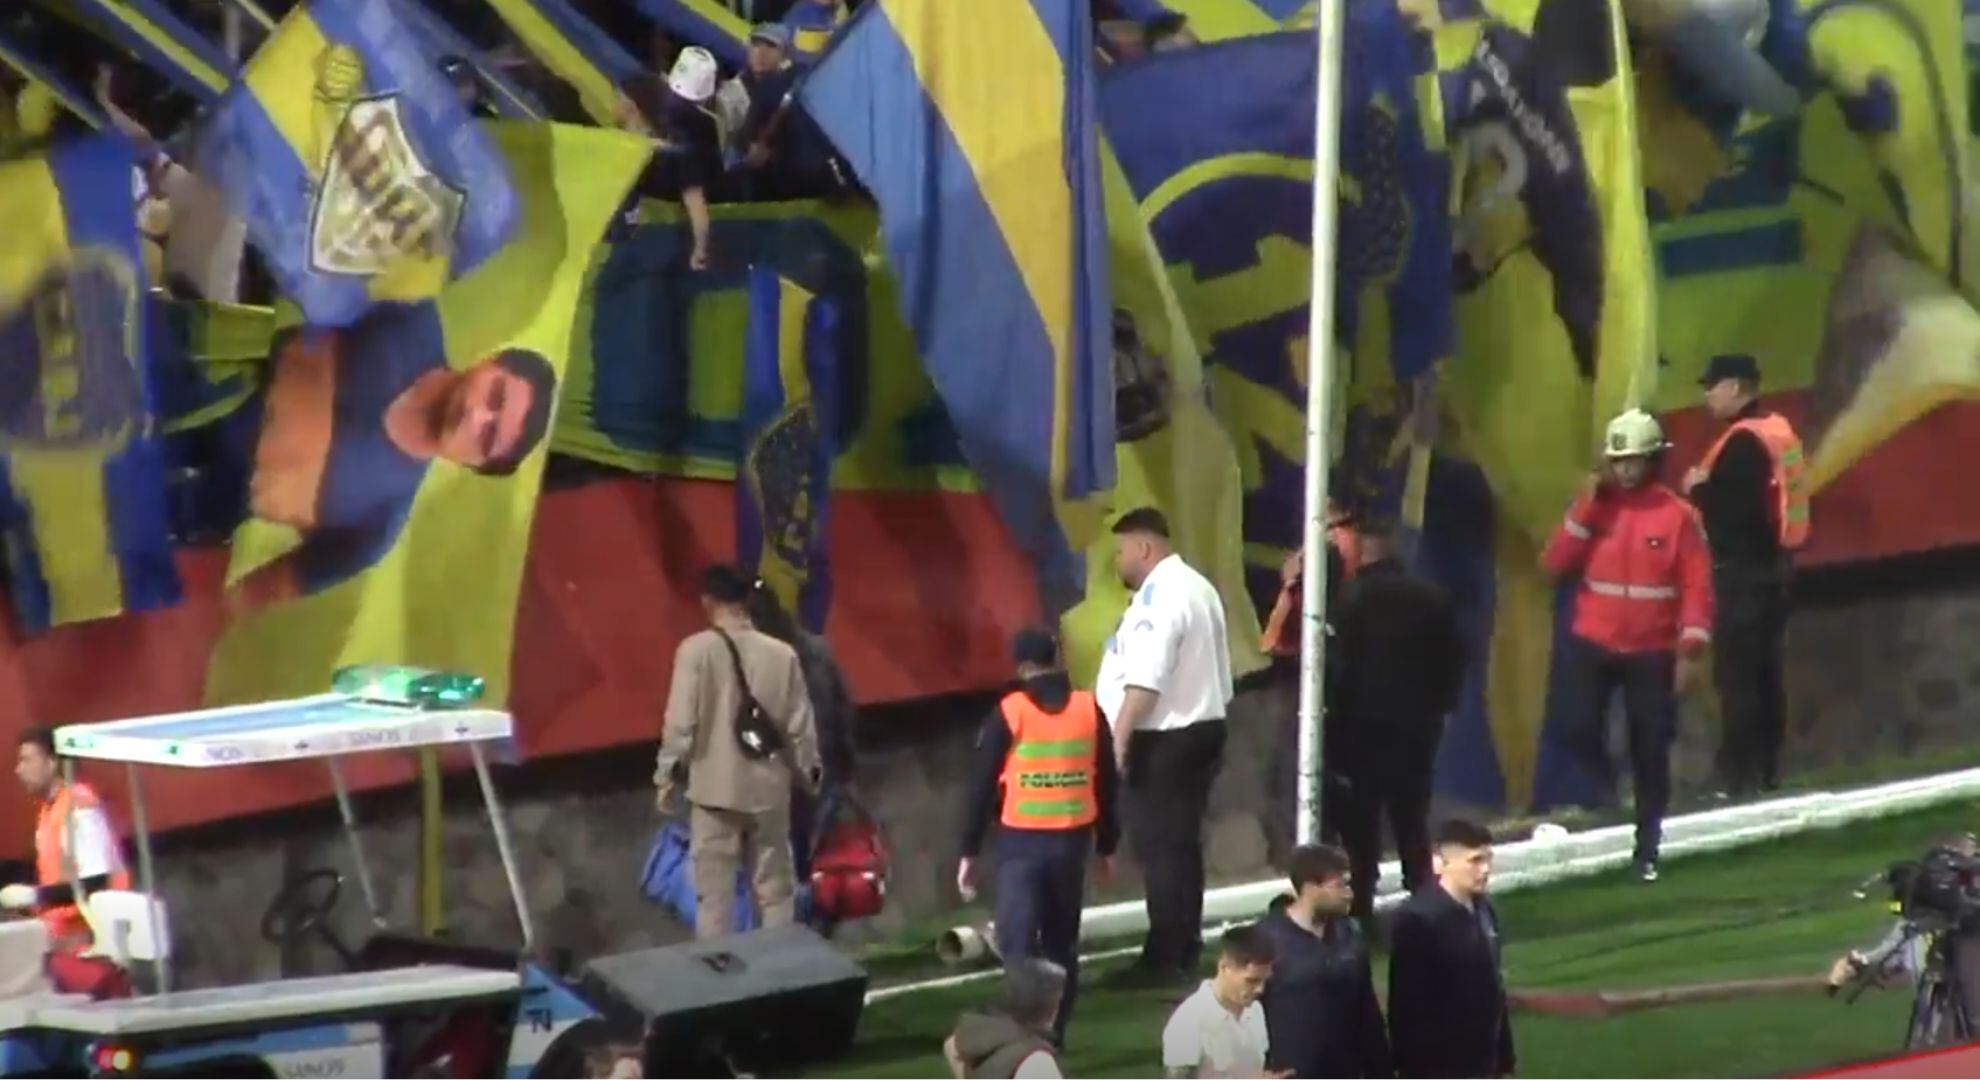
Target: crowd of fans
722, 135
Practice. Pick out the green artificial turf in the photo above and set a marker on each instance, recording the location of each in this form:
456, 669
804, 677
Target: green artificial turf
1784, 908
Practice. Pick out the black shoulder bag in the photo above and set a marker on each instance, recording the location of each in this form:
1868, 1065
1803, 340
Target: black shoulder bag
757, 736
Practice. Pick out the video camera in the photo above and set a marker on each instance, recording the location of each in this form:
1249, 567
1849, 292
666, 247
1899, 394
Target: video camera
1939, 890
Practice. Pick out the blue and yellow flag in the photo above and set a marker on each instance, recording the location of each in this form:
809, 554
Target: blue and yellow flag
82, 482
1893, 72
254, 11
1217, 142
150, 32
973, 127
373, 540
707, 23
1217, 20
790, 417
1173, 454
358, 172
574, 48
813, 25
14, 54
1555, 312
443, 40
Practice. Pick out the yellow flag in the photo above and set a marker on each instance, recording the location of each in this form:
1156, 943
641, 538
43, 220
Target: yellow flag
442, 592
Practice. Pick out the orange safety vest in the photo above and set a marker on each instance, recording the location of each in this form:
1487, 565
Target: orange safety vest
51, 830
1049, 773
1790, 473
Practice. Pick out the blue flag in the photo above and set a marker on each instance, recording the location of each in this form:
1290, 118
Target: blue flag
443, 40
973, 126
160, 41
15, 54
359, 173
573, 48
707, 23
790, 417
82, 481
1217, 144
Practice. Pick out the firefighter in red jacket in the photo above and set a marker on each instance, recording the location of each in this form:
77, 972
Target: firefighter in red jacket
1642, 616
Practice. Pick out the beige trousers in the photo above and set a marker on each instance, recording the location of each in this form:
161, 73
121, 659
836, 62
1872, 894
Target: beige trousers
722, 841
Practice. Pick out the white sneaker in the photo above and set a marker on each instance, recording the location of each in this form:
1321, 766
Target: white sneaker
1647, 870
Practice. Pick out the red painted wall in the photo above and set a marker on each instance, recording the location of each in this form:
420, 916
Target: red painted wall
929, 589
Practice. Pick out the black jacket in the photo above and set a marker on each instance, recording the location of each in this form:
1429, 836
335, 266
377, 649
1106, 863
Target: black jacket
832, 708
1049, 692
1400, 660
1737, 503
1320, 1006
1447, 1002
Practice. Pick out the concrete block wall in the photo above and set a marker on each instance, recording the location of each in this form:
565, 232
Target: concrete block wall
1889, 672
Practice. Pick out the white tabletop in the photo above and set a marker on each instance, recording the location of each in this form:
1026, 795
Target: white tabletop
285, 999
328, 725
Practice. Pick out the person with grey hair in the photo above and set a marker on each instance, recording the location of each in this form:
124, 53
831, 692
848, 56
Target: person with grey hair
1014, 1039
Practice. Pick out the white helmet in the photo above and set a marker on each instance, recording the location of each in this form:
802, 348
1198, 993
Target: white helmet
693, 76
1633, 434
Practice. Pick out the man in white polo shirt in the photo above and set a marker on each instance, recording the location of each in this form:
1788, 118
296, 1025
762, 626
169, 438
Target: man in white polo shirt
1165, 683
1220, 1030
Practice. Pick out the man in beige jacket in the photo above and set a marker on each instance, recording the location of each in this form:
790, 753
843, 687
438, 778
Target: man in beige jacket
739, 804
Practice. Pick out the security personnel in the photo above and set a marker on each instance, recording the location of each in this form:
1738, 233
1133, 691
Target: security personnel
1642, 616
1400, 652
74, 848
1750, 490
1046, 758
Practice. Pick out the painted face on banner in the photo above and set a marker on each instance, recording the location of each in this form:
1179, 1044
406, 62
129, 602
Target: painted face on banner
485, 417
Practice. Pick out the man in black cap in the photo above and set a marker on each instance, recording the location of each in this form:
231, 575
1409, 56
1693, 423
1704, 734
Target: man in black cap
1045, 759
1751, 492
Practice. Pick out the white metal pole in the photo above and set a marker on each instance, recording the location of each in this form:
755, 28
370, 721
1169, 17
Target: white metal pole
1319, 389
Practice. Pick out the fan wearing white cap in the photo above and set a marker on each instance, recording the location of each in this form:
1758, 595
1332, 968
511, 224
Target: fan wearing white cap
1642, 620
677, 113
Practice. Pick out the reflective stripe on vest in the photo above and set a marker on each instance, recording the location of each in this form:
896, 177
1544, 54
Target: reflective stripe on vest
1049, 774
1632, 592
1790, 479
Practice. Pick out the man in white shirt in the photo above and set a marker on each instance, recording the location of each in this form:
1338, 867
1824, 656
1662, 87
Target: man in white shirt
1165, 684
1220, 1029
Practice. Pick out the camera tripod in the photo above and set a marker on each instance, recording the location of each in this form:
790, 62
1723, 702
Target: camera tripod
1939, 1015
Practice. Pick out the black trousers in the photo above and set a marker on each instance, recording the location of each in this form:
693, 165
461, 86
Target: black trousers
1041, 887
1169, 778
1594, 676
1750, 631
1360, 796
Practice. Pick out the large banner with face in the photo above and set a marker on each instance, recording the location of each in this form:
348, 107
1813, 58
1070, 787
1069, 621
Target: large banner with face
394, 473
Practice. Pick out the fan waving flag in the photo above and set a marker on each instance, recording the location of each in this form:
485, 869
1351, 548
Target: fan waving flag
973, 126
82, 480
359, 173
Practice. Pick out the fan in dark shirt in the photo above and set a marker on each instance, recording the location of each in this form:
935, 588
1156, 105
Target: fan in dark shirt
688, 159
1320, 1006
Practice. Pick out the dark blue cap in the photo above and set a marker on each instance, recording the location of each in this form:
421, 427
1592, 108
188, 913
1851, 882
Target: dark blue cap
1035, 645
1731, 366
